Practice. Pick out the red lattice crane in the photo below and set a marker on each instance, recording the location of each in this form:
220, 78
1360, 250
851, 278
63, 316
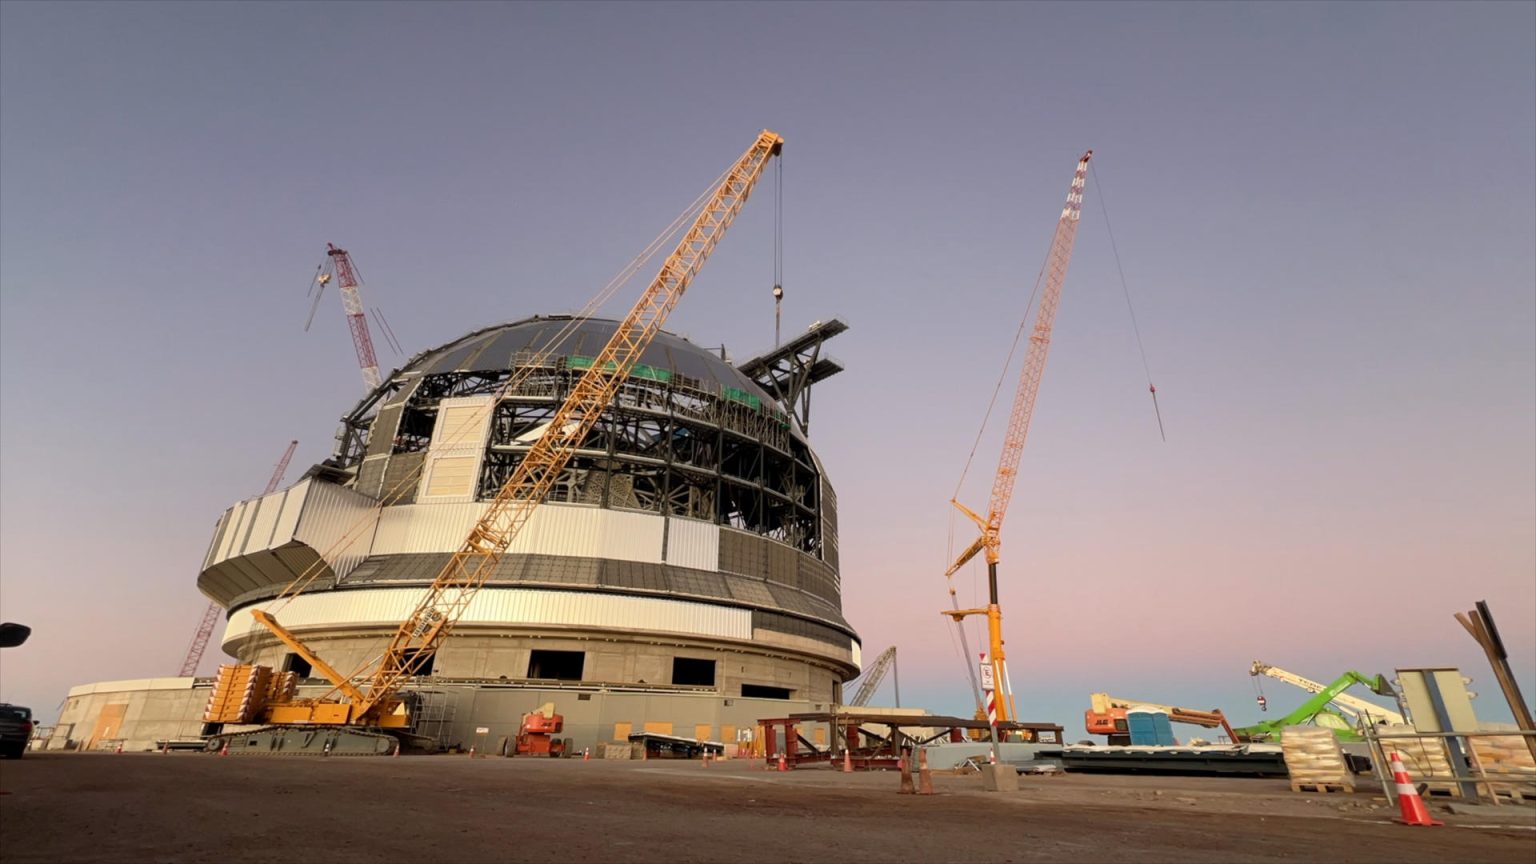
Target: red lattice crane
211, 614
352, 301
1013, 444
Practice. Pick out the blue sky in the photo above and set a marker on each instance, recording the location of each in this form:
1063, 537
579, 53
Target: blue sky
1325, 214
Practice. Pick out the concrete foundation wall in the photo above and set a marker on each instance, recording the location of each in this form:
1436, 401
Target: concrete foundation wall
614, 660
135, 713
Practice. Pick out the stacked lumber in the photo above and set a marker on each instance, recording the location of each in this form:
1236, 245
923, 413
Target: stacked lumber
1313, 758
1423, 757
1508, 763
239, 694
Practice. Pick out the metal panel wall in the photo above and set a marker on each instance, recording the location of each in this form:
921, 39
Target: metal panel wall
263, 523
339, 524
575, 531
691, 543
510, 607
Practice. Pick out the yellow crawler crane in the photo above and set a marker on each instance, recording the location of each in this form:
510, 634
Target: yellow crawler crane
374, 702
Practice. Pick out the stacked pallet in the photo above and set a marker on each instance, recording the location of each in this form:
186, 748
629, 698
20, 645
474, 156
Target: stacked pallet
1507, 761
1423, 757
239, 694
1314, 760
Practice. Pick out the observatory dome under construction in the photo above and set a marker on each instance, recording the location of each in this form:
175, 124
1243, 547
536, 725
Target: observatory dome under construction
688, 549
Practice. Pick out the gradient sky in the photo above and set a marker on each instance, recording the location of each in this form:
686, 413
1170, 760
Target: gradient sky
1325, 215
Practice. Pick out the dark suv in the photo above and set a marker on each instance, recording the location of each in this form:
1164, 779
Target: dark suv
15, 730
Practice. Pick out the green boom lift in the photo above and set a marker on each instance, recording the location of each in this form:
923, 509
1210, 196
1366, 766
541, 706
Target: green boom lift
1341, 718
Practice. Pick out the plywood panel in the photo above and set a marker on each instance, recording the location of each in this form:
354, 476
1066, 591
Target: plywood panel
658, 727
621, 731
701, 731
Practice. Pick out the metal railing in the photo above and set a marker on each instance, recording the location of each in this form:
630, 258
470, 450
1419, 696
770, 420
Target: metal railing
1472, 784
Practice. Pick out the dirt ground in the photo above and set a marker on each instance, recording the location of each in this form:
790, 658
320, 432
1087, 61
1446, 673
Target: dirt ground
194, 807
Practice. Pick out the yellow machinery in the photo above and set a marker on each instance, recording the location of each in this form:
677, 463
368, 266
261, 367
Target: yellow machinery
995, 669
375, 700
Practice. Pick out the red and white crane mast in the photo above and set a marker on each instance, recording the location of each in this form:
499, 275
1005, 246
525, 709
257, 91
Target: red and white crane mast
352, 301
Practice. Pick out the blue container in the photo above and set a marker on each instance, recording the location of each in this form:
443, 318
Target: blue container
1149, 728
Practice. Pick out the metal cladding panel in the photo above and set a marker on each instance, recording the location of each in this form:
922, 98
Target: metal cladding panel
462, 423
506, 606
409, 528
571, 531
215, 548
263, 523
233, 531
293, 507
337, 523
588, 532
695, 544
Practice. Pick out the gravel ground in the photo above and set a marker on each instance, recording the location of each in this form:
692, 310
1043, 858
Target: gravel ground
192, 807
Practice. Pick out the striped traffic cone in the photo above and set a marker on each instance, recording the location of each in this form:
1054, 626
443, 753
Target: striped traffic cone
586, 754
783, 766
224, 751
1414, 811
847, 762
924, 776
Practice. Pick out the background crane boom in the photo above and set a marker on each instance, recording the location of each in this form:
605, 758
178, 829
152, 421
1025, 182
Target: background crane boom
1054, 274
211, 614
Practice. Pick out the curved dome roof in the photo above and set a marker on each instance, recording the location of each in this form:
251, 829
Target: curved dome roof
495, 348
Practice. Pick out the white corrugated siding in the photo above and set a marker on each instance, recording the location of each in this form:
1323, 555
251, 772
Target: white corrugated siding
339, 524
263, 523
275, 518
691, 543
508, 606
582, 532
293, 507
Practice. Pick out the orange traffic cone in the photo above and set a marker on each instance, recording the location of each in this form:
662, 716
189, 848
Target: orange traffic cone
924, 776
847, 762
586, 754
119, 747
783, 766
471, 751
224, 751
396, 754
704, 760
1414, 811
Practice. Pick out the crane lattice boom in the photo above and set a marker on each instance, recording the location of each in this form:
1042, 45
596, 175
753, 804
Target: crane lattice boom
211, 614
1055, 274
1031, 373
357, 322
418, 637
872, 679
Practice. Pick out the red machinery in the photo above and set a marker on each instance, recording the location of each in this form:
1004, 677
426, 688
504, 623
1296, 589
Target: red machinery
536, 736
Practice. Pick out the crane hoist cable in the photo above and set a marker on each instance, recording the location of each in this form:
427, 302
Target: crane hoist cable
1098, 186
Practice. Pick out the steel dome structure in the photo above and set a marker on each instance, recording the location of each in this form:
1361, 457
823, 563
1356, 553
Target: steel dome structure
689, 549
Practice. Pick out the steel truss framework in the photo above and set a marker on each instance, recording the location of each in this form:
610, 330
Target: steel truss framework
671, 447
